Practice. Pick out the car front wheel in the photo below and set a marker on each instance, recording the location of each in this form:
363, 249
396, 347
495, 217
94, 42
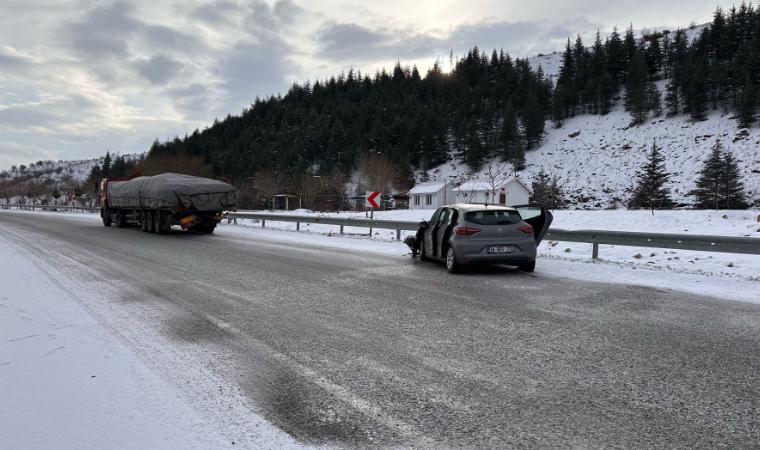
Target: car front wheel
451, 261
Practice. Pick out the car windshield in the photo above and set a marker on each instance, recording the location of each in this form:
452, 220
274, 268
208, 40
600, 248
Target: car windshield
493, 217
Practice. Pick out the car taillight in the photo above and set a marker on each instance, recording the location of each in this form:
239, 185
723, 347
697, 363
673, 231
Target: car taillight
466, 231
527, 229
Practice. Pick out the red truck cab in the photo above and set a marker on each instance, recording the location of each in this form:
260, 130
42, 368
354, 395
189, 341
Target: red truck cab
103, 196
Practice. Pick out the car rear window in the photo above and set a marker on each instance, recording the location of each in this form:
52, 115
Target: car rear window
493, 217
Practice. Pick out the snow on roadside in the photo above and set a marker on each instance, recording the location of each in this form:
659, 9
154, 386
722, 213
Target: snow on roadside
65, 382
694, 222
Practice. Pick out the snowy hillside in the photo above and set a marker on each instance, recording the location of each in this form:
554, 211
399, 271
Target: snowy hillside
552, 63
598, 165
597, 157
65, 176
51, 172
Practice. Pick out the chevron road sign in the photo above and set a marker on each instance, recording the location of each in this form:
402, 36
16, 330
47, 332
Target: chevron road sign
370, 201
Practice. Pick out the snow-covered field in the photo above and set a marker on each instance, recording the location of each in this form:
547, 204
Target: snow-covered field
65, 382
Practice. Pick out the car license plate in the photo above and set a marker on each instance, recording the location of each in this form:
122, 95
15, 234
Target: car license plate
501, 249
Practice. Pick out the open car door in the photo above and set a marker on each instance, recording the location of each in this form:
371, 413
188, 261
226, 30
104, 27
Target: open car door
536, 216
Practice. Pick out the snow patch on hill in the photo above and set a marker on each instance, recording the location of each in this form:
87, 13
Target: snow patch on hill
51, 172
598, 167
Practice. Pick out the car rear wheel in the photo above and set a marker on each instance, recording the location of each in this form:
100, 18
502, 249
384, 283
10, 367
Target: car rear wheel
451, 261
527, 267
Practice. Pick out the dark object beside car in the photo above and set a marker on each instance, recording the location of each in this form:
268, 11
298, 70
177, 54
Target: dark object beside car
468, 234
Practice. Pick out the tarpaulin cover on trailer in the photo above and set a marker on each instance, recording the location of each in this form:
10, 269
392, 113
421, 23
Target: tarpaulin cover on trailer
170, 189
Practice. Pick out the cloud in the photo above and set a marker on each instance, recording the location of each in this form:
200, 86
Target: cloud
287, 11
350, 42
192, 101
14, 153
222, 12
159, 69
117, 31
104, 31
15, 61
250, 70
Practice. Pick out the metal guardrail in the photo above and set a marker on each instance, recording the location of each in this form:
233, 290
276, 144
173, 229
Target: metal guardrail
51, 207
359, 223
721, 244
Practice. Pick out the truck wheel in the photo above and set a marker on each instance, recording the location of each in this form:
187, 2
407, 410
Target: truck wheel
149, 222
209, 229
158, 223
144, 221
120, 222
106, 217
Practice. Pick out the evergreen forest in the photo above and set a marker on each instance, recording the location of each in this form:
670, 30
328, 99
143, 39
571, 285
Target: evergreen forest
487, 106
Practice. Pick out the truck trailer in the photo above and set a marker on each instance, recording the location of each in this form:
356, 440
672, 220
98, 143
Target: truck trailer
157, 202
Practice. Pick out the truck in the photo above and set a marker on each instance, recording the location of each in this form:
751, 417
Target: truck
156, 203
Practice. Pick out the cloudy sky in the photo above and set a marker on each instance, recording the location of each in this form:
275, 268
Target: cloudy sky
81, 77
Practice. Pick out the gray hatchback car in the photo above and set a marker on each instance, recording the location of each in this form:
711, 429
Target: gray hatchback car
469, 233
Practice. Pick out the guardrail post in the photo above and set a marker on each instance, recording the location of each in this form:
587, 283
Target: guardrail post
341, 229
398, 234
263, 223
298, 226
595, 250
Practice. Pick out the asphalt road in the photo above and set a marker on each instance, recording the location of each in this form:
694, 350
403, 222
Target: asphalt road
358, 350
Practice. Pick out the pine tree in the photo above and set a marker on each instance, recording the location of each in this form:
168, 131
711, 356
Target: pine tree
636, 101
541, 188
654, 102
629, 48
708, 192
558, 200
548, 191
735, 197
696, 94
651, 191
533, 120
510, 138
747, 104
654, 57
616, 59
106, 168
518, 158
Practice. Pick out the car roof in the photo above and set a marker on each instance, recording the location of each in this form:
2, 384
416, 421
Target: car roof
469, 207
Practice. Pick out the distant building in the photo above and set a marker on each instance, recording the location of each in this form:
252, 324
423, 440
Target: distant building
431, 195
511, 192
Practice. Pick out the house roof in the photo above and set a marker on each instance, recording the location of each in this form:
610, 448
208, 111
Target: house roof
428, 187
479, 185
